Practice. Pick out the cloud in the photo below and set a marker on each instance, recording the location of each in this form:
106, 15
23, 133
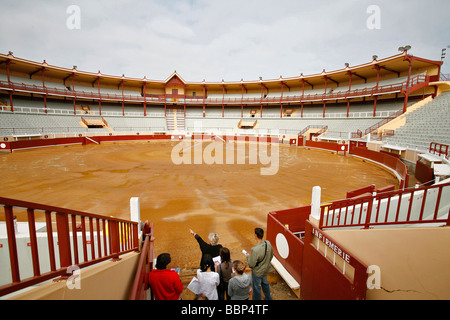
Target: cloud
215, 40
167, 27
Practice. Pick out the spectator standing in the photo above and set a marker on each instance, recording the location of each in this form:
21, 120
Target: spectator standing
240, 286
259, 261
165, 284
224, 269
212, 248
208, 279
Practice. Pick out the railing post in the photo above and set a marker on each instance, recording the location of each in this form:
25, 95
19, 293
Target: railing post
369, 212
448, 218
62, 223
315, 203
33, 240
12, 244
114, 236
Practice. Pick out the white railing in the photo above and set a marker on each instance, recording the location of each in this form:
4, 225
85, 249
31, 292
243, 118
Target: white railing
51, 111
67, 112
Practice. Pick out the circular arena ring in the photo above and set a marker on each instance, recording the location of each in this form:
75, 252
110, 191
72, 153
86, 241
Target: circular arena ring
182, 183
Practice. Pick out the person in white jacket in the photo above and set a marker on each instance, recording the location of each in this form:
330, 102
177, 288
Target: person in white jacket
208, 279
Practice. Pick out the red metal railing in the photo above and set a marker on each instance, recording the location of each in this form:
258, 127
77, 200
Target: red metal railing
439, 149
316, 126
108, 239
140, 284
398, 87
414, 206
383, 122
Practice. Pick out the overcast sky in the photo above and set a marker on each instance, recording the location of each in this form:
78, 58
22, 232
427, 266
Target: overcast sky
226, 39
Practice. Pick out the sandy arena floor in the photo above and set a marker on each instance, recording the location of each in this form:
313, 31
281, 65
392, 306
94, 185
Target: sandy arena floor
229, 199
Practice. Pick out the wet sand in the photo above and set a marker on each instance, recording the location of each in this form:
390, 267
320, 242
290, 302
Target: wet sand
230, 200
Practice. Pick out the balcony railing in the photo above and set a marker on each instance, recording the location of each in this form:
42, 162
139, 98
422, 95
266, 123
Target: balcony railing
376, 90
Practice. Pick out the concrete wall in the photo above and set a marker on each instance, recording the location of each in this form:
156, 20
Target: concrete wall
413, 262
105, 281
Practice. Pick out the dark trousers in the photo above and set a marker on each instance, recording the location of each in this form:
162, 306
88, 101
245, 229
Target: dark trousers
222, 291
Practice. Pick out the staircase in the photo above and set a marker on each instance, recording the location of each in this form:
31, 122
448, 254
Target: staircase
175, 120
95, 123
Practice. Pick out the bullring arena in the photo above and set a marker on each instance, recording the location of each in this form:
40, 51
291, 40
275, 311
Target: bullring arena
89, 142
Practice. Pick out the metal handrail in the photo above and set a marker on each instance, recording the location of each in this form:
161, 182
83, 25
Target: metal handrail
140, 284
346, 210
111, 237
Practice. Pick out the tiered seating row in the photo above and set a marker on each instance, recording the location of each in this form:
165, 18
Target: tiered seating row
427, 124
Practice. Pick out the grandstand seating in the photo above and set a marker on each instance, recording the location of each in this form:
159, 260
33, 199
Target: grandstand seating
56, 105
429, 123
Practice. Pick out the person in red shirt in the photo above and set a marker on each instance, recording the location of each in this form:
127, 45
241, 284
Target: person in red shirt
165, 284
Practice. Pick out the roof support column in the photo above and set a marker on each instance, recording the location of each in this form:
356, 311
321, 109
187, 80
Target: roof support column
43, 85
204, 96
145, 97
349, 81
11, 101
74, 95
405, 105
165, 101
260, 101
8, 72
303, 87
324, 93
281, 99
123, 100
223, 99
8, 62
348, 107
99, 96
375, 98
378, 75
242, 98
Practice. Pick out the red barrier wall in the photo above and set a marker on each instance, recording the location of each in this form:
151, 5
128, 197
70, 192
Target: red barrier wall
28, 144
336, 147
424, 173
392, 162
5, 146
287, 222
321, 280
